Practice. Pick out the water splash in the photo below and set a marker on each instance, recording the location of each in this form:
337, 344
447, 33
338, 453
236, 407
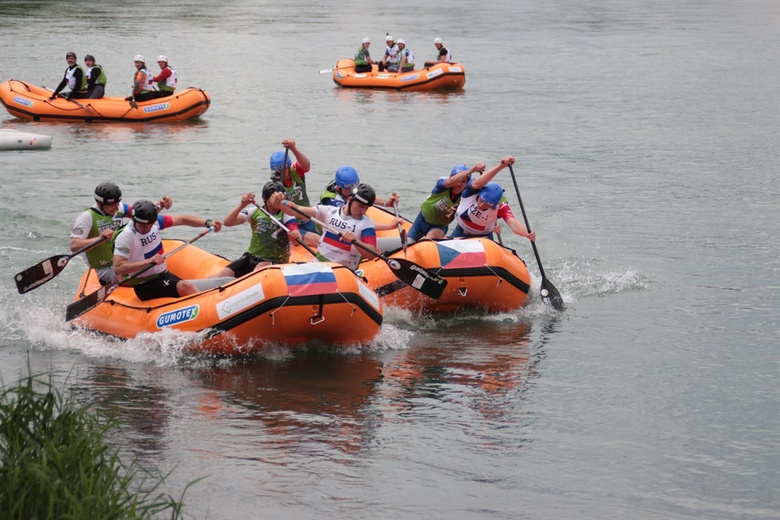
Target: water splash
582, 278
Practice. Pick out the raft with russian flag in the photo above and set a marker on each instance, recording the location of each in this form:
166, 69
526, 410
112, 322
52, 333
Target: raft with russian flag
288, 304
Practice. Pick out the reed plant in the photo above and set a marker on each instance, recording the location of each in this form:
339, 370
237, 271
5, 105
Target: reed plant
56, 461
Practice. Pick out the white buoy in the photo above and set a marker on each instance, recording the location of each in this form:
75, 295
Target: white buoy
16, 140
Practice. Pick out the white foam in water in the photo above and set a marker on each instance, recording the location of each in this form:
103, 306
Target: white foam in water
580, 278
45, 329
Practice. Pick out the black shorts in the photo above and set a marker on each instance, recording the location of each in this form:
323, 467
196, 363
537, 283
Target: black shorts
163, 286
246, 264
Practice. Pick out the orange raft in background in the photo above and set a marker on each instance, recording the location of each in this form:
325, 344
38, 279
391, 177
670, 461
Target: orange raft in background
27, 101
441, 76
481, 275
287, 303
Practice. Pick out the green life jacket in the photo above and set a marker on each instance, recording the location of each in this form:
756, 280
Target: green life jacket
102, 76
296, 192
269, 241
360, 56
102, 256
439, 208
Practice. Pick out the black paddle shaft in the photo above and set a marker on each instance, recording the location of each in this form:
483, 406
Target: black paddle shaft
550, 293
413, 275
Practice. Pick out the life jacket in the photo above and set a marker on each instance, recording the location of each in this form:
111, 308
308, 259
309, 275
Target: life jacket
101, 80
168, 84
71, 78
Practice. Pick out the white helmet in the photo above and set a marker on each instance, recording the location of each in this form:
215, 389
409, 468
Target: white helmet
139, 57
389, 38
400, 40
437, 40
162, 57
366, 40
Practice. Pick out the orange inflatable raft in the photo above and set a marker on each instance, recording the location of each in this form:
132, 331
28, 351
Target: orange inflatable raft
27, 101
481, 275
288, 304
442, 76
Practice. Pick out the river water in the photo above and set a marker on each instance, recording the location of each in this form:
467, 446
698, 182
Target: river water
647, 141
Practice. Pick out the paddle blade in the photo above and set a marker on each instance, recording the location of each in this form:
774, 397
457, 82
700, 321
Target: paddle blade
550, 295
417, 277
39, 274
89, 302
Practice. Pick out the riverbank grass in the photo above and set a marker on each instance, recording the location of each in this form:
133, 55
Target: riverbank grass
56, 461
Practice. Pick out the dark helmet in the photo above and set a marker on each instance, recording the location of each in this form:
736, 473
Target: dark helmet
272, 187
144, 212
89, 57
108, 193
363, 193
70, 55
346, 177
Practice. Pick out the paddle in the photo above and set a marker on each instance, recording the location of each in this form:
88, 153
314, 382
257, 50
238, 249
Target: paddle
66, 98
413, 275
286, 229
549, 293
284, 164
37, 275
90, 301
401, 230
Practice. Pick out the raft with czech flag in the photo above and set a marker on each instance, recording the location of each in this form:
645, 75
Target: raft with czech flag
481, 275
278, 304
27, 101
441, 76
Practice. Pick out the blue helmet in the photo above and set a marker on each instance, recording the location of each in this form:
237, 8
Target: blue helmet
458, 168
346, 177
277, 160
491, 194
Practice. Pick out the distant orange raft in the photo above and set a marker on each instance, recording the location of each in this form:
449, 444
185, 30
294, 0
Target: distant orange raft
279, 304
27, 101
442, 76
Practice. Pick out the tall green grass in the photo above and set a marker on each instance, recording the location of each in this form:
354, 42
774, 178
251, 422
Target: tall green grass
56, 462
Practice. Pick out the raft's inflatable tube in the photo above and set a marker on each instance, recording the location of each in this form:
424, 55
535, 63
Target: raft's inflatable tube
481, 275
27, 101
442, 76
280, 304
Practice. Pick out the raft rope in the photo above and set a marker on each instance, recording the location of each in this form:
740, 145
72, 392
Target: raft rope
48, 102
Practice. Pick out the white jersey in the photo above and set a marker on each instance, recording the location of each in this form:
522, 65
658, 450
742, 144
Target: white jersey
471, 219
137, 247
331, 248
391, 53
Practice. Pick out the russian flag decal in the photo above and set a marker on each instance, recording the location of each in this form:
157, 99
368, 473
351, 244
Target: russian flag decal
456, 254
333, 240
309, 279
